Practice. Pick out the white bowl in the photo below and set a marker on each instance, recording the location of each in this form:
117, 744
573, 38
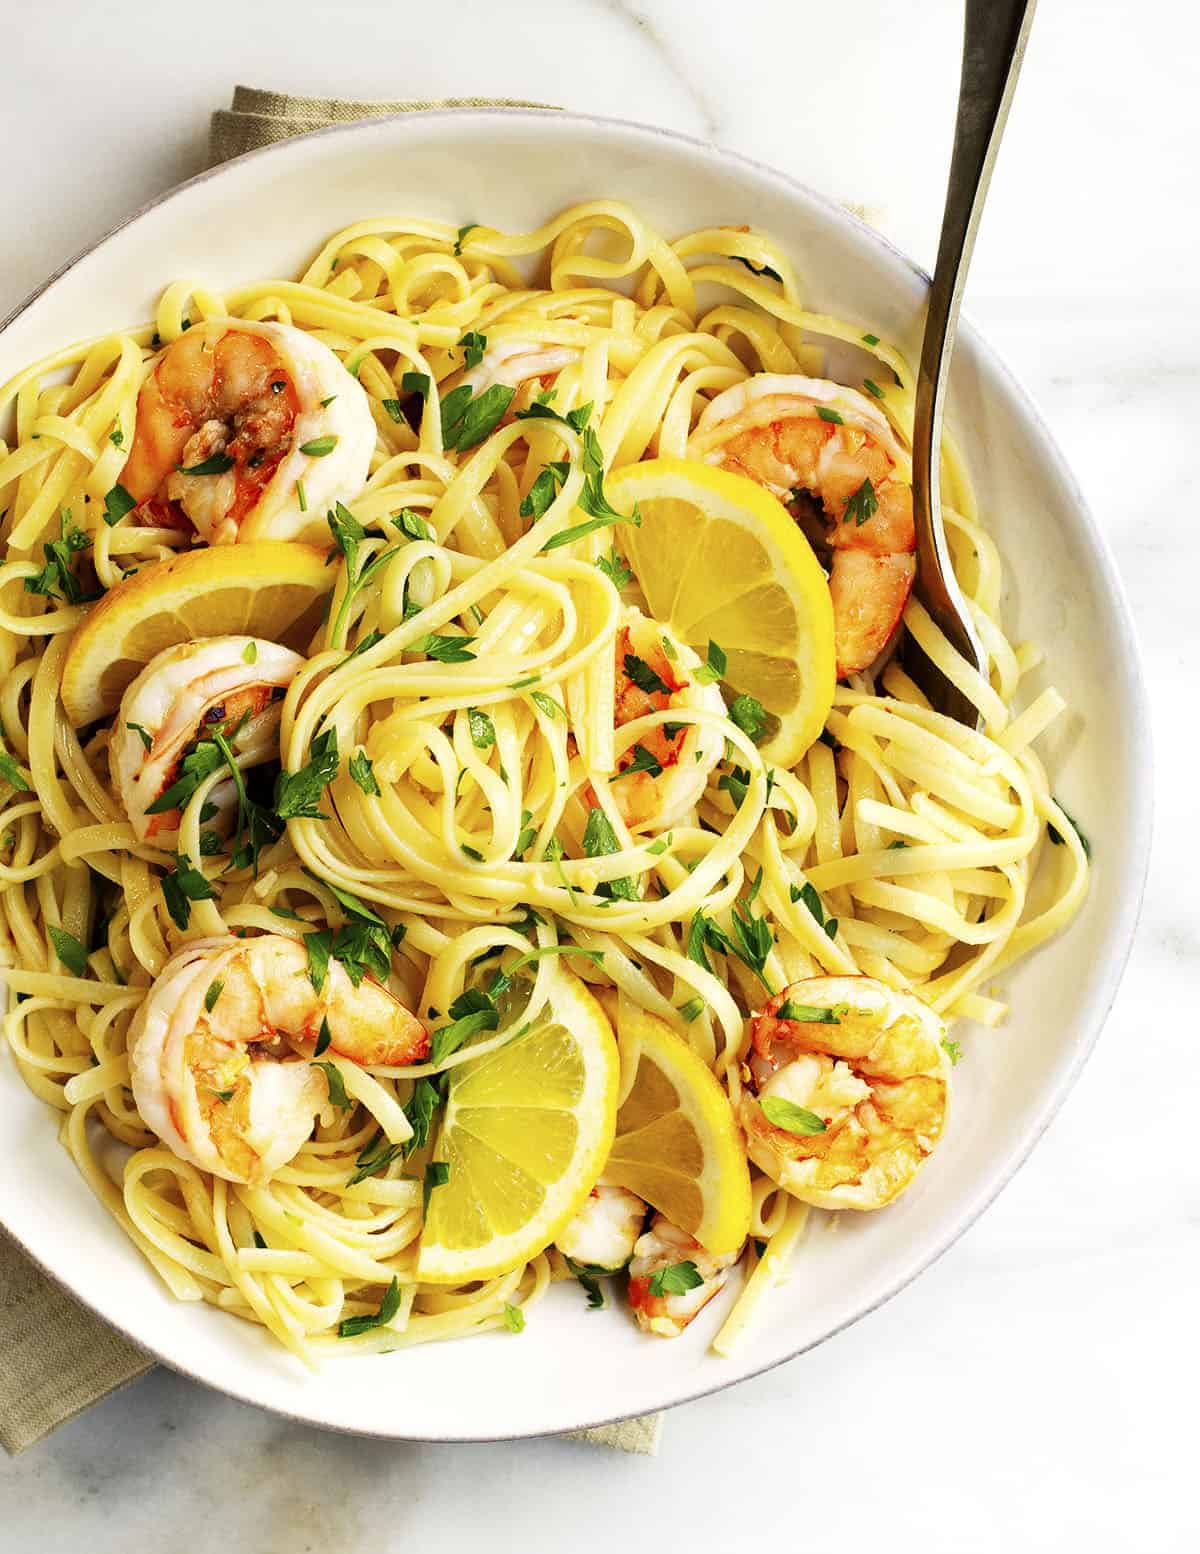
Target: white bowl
264, 215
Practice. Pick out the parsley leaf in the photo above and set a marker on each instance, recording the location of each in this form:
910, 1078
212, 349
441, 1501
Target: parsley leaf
318, 447
57, 579
462, 233
69, 950
812, 901
952, 1049
414, 383
474, 345
615, 568
471, 1012
692, 1010
811, 1014
1057, 838
372, 1160
212, 993
871, 339
514, 1318
467, 419
678, 1279
790, 1117
337, 1085
589, 1276
752, 939
296, 793
547, 704
714, 668
361, 770
829, 415
318, 947
324, 1037
750, 716
420, 1109
117, 503
862, 505
437, 1174
482, 729
645, 678
544, 489
348, 1327
599, 840
445, 649
12, 774
215, 464
642, 761
181, 888
414, 525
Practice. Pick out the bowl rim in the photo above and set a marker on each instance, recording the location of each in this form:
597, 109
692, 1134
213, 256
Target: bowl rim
1123, 932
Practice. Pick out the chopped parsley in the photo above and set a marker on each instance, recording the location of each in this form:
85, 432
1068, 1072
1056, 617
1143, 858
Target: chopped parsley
811, 1014
547, 704
871, 339
215, 464
363, 773
296, 793
414, 525
69, 950
324, 1037
437, 1174
471, 1012
12, 774
348, 536
600, 840
544, 489
715, 666
872, 388
749, 714
374, 1158
615, 568
445, 649
117, 503
790, 1117
350, 1327
474, 345
829, 415
808, 895
467, 419
642, 761
952, 1049
336, 1084
514, 1318
862, 505
644, 677
481, 728
461, 238
692, 1010
678, 1279
250, 653
413, 383
420, 1109
57, 578
180, 888
589, 1276
212, 993
1057, 838
318, 447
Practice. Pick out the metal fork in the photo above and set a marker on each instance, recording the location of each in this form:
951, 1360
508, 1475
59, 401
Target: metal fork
994, 37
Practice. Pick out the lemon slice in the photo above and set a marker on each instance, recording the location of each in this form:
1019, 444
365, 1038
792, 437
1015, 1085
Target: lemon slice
266, 589
525, 1135
720, 560
677, 1144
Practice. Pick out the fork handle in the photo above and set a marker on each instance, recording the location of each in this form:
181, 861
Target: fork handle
994, 38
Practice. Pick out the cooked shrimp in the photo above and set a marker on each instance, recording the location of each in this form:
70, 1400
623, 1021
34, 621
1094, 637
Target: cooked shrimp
685, 1276
861, 1087
655, 672
516, 364
219, 1050
233, 684
831, 454
223, 421
603, 1233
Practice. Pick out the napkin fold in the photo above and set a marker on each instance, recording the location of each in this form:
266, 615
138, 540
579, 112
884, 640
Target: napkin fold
56, 1357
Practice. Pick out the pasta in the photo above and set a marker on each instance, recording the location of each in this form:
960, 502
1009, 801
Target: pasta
446, 738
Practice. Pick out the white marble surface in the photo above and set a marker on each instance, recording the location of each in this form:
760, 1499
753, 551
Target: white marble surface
1036, 1389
